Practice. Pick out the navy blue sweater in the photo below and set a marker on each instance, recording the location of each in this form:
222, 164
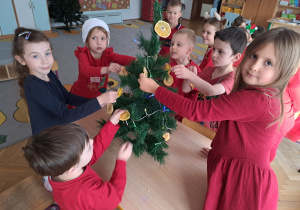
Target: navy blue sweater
47, 103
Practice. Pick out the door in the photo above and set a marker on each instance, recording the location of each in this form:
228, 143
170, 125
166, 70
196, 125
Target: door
8, 22
265, 12
24, 13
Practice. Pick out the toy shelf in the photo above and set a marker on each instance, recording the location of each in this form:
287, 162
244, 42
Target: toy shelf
231, 6
279, 8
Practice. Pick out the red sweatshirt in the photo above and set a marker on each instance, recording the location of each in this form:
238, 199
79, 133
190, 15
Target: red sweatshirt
89, 191
90, 80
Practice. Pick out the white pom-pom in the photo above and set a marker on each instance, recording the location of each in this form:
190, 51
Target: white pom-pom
217, 16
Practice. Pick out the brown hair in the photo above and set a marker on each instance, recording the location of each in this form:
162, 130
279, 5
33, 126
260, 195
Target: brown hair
189, 33
219, 25
91, 31
56, 149
238, 21
175, 3
286, 43
20, 40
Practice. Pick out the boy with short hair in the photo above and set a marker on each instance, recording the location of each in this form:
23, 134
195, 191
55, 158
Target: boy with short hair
215, 80
65, 153
173, 13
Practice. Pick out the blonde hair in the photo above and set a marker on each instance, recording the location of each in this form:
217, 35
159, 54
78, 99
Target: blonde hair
175, 3
189, 33
286, 43
219, 25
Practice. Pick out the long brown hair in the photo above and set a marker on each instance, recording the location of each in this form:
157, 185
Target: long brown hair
286, 43
21, 38
56, 149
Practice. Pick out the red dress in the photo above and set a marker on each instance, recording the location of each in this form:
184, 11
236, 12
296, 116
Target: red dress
89, 191
90, 80
207, 59
239, 174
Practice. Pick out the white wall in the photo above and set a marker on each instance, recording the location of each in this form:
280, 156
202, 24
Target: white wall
186, 14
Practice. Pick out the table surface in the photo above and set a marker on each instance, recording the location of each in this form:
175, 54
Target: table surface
179, 184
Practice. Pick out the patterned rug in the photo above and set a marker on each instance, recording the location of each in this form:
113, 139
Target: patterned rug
14, 121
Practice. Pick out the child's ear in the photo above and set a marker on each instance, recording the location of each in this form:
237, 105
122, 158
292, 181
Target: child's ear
191, 48
71, 170
20, 60
236, 57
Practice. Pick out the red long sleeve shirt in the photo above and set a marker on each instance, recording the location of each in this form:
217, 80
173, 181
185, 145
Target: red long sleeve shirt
89, 191
90, 80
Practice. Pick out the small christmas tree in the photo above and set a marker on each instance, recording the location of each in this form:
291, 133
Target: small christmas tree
66, 11
150, 123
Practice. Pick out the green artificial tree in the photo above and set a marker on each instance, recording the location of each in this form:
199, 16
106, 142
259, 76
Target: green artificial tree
66, 11
150, 121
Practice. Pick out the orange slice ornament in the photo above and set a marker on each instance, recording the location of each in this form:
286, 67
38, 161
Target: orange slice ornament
167, 136
123, 71
119, 92
125, 116
109, 109
162, 28
145, 71
168, 81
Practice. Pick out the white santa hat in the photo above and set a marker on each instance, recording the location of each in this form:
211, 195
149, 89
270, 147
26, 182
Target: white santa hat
92, 23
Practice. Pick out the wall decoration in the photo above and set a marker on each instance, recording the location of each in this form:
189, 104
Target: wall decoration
96, 5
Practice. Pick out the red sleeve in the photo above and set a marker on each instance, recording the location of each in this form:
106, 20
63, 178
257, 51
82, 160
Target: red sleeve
293, 90
123, 60
85, 67
235, 106
112, 192
103, 140
228, 82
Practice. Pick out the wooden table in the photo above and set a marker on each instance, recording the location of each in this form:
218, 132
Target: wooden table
179, 184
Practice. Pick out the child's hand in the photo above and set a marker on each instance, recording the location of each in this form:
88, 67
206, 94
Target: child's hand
115, 117
114, 67
147, 85
193, 69
125, 151
107, 98
181, 72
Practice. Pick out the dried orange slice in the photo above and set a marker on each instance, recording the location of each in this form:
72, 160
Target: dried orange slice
192, 86
125, 116
168, 80
167, 67
123, 71
162, 28
145, 72
166, 136
119, 92
109, 109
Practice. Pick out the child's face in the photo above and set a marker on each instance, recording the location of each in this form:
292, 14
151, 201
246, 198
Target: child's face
38, 58
87, 154
208, 34
173, 15
180, 47
243, 25
259, 69
97, 43
222, 53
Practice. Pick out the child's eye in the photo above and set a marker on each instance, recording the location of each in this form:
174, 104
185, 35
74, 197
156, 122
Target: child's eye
268, 63
35, 56
94, 38
220, 52
48, 53
208, 33
253, 56
103, 38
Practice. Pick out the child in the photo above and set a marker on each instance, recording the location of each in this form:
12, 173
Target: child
211, 26
46, 97
215, 80
258, 31
66, 153
95, 60
182, 44
238, 166
240, 21
174, 13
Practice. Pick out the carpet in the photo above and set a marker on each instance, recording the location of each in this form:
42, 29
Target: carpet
14, 122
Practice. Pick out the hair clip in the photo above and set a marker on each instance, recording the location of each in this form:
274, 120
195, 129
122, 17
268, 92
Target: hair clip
27, 34
216, 15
